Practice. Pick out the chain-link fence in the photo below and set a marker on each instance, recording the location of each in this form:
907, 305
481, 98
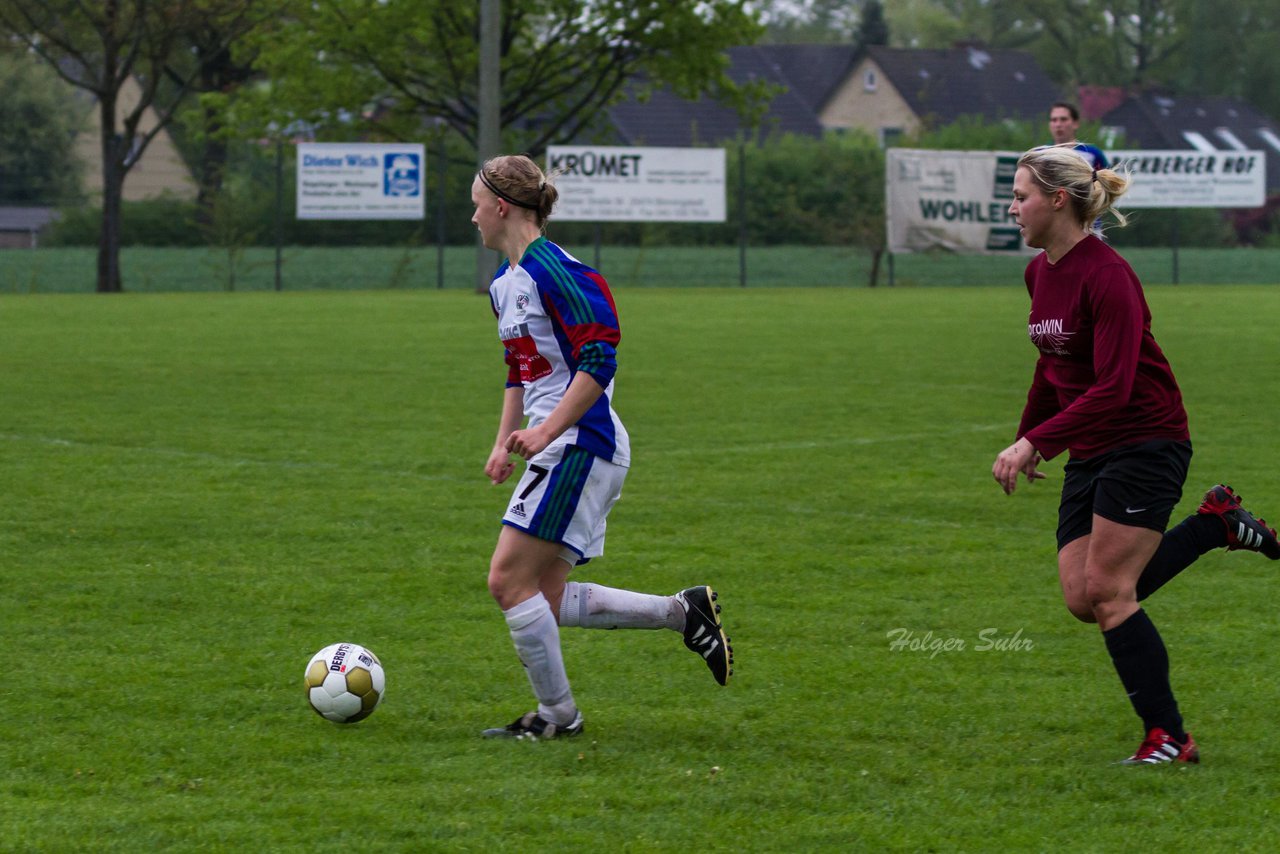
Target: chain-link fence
801, 213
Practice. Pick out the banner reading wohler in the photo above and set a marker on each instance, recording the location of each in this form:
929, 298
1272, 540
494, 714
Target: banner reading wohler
602, 183
952, 200
959, 200
360, 180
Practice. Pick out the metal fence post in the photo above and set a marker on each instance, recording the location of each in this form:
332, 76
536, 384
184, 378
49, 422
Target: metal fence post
742, 213
442, 170
279, 213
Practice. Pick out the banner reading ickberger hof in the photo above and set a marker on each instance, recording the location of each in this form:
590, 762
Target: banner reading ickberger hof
604, 183
1187, 178
356, 180
957, 201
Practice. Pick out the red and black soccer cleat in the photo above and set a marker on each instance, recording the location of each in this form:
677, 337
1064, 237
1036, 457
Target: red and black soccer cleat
1243, 530
1159, 747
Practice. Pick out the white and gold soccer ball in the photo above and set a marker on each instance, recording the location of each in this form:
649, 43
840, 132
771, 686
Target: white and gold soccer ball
345, 682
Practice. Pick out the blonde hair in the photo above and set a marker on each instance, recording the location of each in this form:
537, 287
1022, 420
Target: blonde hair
517, 180
1093, 192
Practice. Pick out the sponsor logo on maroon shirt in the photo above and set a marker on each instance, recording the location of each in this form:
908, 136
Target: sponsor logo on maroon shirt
1049, 336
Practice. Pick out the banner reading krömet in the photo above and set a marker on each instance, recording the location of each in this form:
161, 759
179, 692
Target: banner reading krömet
600, 183
956, 201
353, 180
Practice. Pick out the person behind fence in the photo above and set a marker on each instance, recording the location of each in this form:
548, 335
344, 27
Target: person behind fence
1104, 392
1064, 125
559, 327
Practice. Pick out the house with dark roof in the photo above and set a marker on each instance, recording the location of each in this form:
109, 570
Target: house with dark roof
1154, 120
158, 172
885, 91
665, 119
891, 91
20, 227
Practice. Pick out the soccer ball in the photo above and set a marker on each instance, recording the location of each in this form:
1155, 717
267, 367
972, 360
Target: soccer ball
345, 683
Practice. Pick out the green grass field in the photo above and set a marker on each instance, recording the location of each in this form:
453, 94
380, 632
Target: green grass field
200, 490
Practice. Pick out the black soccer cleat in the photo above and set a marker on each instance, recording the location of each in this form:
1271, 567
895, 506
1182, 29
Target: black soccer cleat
703, 632
532, 726
1243, 530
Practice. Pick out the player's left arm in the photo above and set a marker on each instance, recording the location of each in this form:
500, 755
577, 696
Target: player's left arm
582, 305
584, 390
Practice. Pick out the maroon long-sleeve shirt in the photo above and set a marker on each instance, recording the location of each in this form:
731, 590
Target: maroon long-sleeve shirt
1101, 381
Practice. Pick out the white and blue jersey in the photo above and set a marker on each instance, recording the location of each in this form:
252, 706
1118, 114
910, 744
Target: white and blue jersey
1093, 154
556, 317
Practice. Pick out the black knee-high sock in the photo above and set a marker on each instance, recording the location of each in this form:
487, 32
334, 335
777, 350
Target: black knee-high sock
1181, 547
1143, 664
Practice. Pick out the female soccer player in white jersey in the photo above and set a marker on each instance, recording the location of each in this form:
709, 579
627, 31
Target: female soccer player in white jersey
558, 324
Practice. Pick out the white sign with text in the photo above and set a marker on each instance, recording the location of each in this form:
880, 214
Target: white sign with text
1192, 179
341, 180
600, 183
956, 201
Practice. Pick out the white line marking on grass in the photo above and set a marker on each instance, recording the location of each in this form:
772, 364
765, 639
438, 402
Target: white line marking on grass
862, 515
846, 442
204, 456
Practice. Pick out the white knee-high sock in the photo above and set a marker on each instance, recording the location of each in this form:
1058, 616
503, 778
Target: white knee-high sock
537, 639
594, 606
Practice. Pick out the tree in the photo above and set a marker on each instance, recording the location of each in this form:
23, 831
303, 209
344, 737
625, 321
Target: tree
811, 21
397, 65
38, 125
215, 49
873, 29
1233, 52
101, 47
1102, 42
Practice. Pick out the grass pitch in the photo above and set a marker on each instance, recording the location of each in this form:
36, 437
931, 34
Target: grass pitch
200, 491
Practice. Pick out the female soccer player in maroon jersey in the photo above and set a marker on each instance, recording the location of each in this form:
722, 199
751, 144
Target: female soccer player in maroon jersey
1104, 392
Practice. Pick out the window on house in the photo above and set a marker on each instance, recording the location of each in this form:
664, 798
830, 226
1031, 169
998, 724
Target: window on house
1229, 137
1198, 142
1271, 138
890, 136
869, 81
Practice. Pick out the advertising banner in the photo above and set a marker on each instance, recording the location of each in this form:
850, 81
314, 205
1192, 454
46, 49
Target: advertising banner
1192, 179
600, 183
341, 180
956, 201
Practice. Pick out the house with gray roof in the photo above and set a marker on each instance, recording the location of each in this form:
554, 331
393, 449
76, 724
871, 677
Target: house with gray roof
665, 119
20, 226
885, 91
1155, 120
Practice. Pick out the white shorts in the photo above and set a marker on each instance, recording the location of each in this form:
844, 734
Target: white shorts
564, 496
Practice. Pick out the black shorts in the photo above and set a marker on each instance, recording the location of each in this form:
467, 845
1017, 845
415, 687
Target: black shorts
1136, 485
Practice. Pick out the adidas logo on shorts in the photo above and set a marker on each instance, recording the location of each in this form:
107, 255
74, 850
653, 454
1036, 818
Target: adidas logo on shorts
518, 510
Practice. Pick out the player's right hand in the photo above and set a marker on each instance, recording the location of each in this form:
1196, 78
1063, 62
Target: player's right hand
499, 467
